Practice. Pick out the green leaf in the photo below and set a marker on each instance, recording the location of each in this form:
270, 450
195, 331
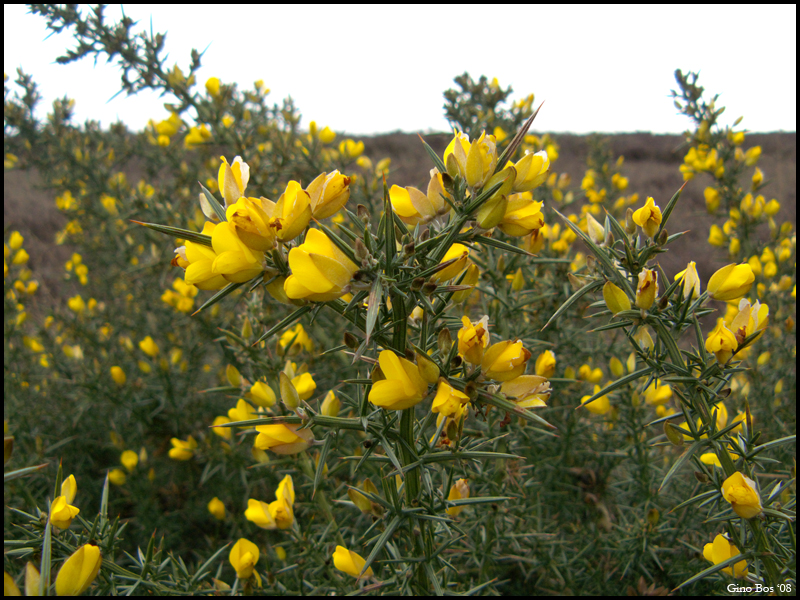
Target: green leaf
11, 475
504, 404
713, 569
434, 157
668, 210
487, 241
189, 236
323, 456
682, 459
218, 208
374, 306
382, 540
620, 382
611, 271
589, 287
228, 289
285, 322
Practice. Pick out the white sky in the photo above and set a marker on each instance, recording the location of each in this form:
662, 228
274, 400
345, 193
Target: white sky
373, 69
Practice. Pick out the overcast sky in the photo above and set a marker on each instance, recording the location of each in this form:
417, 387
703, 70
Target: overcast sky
374, 69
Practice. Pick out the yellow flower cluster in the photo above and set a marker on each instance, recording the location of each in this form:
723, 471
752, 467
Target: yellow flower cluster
274, 515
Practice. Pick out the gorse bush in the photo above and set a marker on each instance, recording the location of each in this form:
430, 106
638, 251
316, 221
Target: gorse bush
323, 382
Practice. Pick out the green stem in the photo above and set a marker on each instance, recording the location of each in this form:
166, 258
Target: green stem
320, 497
766, 554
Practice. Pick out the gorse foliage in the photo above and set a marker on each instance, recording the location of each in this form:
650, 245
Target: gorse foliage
333, 383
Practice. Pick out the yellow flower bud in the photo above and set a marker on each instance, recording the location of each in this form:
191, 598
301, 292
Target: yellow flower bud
504, 361
616, 299
648, 217
129, 459
243, 558
182, 450
320, 271
403, 386
456, 251
448, 400
473, 338
351, 563
328, 193
79, 571
731, 282
458, 491
721, 550
741, 492
217, 508
721, 342
527, 391
546, 364
282, 438
118, 375
647, 290
330, 405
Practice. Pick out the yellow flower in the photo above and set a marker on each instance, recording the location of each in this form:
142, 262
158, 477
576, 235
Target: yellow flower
351, 563
647, 289
456, 251
448, 400
243, 557
292, 212
305, 385
749, 320
217, 508
182, 450
275, 515
657, 394
282, 438
233, 179
691, 281
721, 342
731, 282
212, 87
740, 491
129, 459
61, 510
259, 514
504, 361
402, 387
350, 149
523, 216
117, 476
532, 170
299, 339
250, 219
118, 375
648, 217
599, 406
721, 550
223, 432
196, 260
328, 193
76, 304
458, 491
473, 338
546, 364
241, 412
320, 271
262, 394
475, 161
79, 571
616, 299
712, 199
412, 206
235, 261
527, 391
